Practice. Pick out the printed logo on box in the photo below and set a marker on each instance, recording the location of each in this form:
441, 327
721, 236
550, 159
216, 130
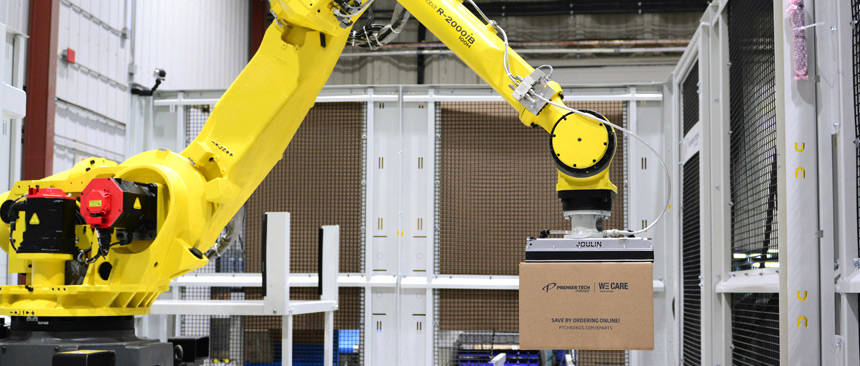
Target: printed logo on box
554, 286
601, 286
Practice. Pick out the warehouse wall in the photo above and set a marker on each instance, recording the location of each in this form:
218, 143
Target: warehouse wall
13, 13
202, 44
93, 93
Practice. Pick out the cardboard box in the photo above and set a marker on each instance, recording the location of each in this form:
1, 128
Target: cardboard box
586, 305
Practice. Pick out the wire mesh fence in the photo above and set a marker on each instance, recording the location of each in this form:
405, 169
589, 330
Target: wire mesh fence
498, 185
318, 182
753, 163
690, 98
329, 137
691, 255
753, 176
755, 329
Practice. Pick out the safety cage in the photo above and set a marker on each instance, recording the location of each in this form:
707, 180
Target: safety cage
753, 178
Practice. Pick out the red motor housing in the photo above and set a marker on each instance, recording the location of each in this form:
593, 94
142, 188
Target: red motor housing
101, 203
113, 203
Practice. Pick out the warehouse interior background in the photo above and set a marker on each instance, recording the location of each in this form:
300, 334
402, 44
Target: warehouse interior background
436, 185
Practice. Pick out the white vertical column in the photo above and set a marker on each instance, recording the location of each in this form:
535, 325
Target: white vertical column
5, 150
671, 110
369, 219
328, 346
386, 229
277, 272
287, 341
400, 237
837, 152
430, 166
383, 232
383, 203
180, 123
831, 86
16, 127
707, 280
719, 186
417, 207
277, 267
798, 200
634, 167
331, 264
634, 175
175, 320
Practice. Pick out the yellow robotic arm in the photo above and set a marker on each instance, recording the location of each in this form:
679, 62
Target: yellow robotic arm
582, 147
105, 239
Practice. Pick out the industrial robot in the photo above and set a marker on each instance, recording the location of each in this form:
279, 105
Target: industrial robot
97, 244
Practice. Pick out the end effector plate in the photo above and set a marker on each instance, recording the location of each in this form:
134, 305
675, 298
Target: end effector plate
589, 250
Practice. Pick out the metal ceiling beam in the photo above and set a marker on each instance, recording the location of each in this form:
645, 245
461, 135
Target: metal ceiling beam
571, 7
517, 8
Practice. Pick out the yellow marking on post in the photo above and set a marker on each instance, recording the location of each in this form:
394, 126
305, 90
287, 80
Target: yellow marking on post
34, 220
801, 298
800, 172
96, 203
802, 319
137, 203
801, 148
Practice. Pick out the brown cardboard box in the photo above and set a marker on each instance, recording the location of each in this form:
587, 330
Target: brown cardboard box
586, 305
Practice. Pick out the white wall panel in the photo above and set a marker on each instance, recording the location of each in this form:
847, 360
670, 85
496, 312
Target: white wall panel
98, 79
93, 98
15, 14
202, 44
79, 133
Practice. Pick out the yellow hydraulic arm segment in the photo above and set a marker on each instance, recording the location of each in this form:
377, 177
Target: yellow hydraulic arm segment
114, 265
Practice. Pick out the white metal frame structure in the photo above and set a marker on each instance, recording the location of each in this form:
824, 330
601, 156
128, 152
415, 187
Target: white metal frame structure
710, 138
689, 144
276, 300
837, 182
818, 277
399, 275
